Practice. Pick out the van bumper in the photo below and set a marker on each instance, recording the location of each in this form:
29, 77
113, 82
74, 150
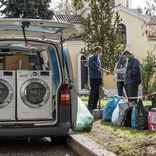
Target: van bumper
32, 131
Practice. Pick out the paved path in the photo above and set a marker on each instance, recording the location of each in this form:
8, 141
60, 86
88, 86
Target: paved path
36, 147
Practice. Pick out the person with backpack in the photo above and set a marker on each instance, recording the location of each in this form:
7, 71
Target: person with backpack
132, 76
120, 70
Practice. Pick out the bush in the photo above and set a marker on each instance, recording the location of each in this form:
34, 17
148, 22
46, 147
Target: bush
148, 74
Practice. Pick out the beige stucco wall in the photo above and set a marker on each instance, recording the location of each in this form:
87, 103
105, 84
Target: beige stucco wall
137, 44
74, 50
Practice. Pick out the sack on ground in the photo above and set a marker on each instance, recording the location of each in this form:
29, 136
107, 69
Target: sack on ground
116, 113
133, 118
127, 117
122, 108
139, 117
109, 108
115, 116
84, 118
152, 120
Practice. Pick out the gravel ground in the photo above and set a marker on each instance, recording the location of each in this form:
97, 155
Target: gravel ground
36, 147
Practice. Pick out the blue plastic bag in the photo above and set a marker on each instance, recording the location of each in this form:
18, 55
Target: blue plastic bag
133, 117
109, 108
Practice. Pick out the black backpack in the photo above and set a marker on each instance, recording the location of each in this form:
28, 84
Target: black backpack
127, 117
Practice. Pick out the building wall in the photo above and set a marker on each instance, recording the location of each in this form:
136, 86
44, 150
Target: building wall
137, 43
74, 48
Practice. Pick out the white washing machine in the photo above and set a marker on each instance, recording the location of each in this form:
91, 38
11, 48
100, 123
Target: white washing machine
7, 95
34, 95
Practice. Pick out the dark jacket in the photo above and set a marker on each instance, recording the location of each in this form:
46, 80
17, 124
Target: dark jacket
94, 64
133, 72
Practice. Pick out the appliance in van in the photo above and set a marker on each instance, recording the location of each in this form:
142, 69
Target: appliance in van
34, 95
7, 95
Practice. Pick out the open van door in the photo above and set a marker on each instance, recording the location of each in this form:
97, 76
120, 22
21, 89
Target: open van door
33, 28
71, 82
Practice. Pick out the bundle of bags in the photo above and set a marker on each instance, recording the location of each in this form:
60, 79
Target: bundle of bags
124, 113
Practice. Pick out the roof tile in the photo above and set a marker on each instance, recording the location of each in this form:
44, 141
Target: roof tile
73, 19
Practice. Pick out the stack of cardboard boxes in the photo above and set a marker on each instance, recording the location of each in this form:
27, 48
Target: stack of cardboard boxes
12, 62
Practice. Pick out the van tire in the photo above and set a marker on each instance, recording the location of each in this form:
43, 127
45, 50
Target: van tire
58, 140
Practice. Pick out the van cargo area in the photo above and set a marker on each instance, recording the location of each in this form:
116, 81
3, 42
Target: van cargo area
34, 100
31, 77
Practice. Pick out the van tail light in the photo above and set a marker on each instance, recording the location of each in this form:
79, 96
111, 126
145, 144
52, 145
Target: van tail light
65, 97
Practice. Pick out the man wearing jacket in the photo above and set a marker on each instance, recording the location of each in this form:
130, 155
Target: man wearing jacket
133, 75
95, 77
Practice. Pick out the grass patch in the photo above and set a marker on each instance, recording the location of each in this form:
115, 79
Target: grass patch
85, 100
121, 140
103, 101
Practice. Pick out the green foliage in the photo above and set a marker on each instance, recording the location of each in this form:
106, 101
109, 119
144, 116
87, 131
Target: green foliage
65, 7
26, 9
148, 74
150, 8
140, 10
78, 4
101, 27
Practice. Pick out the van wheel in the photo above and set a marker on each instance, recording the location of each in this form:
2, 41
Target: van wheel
58, 140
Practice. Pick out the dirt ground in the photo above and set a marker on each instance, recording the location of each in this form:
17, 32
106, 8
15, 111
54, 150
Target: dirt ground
123, 141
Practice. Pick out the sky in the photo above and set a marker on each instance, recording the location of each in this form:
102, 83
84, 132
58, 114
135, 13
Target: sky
135, 3
140, 3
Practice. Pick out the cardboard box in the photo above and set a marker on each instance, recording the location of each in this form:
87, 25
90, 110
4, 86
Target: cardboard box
12, 62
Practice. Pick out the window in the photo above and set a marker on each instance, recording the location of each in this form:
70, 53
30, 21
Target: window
123, 31
127, 1
113, 3
84, 72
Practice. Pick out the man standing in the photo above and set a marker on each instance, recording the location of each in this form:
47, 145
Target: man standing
95, 76
133, 75
120, 70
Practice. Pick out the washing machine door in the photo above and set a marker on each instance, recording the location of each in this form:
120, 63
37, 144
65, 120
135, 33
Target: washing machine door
6, 93
35, 93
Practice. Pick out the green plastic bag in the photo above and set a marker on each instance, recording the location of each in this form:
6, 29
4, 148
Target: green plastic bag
84, 118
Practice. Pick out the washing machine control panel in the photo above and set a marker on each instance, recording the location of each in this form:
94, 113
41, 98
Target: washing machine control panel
34, 74
7, 73
44, 73
41, 73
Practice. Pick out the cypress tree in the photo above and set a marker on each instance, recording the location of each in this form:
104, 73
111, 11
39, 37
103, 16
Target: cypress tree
101, 27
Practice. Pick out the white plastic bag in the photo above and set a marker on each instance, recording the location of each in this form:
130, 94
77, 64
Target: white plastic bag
116, 113
115, 116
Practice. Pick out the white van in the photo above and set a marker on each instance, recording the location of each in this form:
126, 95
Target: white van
37, 88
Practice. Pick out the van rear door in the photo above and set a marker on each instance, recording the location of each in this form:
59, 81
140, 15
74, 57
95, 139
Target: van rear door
71, 83
35, 28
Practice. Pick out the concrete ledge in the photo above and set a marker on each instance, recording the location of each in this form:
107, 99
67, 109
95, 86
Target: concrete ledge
84, 146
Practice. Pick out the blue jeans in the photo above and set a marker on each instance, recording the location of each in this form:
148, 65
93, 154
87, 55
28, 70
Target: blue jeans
120, 87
